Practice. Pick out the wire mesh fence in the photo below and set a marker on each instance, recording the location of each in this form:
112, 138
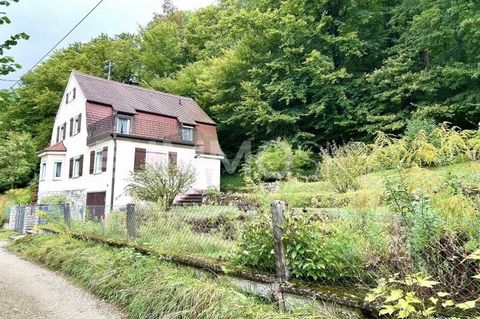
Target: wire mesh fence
347, 250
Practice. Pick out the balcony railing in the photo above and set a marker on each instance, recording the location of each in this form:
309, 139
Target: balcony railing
141, 128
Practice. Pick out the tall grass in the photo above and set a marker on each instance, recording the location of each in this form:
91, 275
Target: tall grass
444, 145
147, 287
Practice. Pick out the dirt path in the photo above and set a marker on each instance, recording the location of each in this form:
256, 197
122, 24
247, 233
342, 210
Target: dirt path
30, 291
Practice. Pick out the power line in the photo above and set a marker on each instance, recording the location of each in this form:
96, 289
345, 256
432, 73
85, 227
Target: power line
8, 80
60, 41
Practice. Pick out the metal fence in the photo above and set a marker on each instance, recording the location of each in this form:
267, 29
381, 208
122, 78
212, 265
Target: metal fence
350, 251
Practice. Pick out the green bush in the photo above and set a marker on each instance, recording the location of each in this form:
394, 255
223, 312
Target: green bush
341, 166
315, 250
277, 161
19, 196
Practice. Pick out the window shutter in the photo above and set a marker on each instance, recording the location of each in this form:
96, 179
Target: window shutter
80, 170
64, 130
172, 158
104, 159
79, 123
140, 155
71, 126
92, 161
70, 169
58, 133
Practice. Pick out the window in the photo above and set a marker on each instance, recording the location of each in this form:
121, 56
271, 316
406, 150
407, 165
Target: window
67, 98
123, 124
61, 131
76, 124
187, 133
43, 171
76, 167
57, 170
74, 93
98, 161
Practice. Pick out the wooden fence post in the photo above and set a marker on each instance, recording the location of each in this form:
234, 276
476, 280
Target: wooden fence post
131, 222
278, 222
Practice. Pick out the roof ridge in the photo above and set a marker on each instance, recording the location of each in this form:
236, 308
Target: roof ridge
131, 85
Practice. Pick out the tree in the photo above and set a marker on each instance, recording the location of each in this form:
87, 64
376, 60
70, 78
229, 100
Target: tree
160, 183
7, 63
18, 160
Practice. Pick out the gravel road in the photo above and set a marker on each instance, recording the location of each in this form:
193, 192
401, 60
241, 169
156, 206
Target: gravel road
28, 291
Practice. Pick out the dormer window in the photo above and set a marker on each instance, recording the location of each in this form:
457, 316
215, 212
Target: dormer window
124, 124
187, 133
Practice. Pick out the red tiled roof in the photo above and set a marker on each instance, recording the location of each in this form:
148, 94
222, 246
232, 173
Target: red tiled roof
132, 98
58, 147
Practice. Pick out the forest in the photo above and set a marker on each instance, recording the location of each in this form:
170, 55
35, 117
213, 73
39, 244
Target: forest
304, 71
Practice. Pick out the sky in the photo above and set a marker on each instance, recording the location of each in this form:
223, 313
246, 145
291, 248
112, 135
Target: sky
47, 21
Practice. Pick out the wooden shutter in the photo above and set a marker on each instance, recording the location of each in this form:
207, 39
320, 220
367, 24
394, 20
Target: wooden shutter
64, 130
71, 126
104, 159
80, 170
140, 155
172, 158
70, 169
79, 128
58, 133
92, 161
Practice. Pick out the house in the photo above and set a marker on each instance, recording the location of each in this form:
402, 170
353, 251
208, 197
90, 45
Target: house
104, 130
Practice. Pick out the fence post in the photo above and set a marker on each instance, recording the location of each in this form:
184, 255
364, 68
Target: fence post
131, 225
67, 217
277, 209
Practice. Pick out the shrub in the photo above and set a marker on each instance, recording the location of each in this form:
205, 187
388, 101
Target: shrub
161, 183
19, 196
342, 166
315, 250
277, 161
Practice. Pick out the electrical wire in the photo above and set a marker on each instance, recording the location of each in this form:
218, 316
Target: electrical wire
60, 41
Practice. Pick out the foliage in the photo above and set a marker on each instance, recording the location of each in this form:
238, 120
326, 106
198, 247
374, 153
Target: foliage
342, 166
414, 297
277, 160
161, 183
145, 286
336, 70
19, 196
18, 159
7, 63
316, 250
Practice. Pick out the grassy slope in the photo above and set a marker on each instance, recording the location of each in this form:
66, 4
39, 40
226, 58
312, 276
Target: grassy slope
321, 194
146, 287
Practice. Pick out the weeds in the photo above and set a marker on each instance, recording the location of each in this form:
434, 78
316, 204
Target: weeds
147, 287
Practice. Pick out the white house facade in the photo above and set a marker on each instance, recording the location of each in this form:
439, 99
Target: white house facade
104, 130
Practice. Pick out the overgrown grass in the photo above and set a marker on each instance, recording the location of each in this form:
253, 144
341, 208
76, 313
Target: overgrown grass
147, 287
198, 231
233, 182
5, 233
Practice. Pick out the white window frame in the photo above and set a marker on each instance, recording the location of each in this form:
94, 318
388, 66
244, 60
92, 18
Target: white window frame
43, 171
76, 167
129, 125
62, 133
55, 177
76, 125
192, 134
97, 168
